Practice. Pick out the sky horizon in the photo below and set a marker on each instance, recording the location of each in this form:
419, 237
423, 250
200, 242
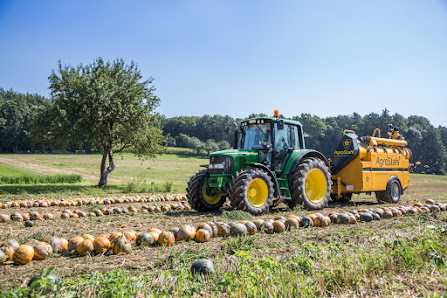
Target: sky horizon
241, 57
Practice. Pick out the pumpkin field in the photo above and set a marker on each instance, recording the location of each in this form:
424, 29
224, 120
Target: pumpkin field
126, 241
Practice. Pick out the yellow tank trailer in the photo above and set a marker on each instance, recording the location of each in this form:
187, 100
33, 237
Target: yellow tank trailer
371, 164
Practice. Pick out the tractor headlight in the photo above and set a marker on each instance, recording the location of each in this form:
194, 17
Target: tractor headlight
217, 166
221, 164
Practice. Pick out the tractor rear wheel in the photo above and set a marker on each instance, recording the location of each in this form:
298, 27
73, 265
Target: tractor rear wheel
392, 192
310, 184
197, 194
252, 191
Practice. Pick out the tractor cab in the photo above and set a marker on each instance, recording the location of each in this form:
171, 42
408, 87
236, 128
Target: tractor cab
274, 139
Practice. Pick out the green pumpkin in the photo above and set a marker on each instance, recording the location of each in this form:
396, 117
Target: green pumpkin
202, 266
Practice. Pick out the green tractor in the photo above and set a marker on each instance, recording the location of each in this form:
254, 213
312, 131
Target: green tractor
268, 165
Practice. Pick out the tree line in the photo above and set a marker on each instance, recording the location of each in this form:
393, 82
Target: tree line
107, 107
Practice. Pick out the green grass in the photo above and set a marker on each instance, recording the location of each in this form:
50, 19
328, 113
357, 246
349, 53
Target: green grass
40, 179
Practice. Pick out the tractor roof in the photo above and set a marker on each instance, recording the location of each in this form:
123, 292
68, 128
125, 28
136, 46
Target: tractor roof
274, 119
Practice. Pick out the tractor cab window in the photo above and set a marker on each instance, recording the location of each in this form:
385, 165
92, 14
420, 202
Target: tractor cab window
256, 136
286, 140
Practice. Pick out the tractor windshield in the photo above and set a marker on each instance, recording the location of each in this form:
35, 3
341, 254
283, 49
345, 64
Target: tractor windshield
255, 136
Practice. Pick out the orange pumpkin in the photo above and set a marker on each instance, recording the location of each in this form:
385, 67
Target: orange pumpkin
166, 238
102, 245
115, 236
186, 233
64, 244
23, 254
155, 235
42, 251
202, 236
85, 247
74, 242
158, 231
88, 237
278, 226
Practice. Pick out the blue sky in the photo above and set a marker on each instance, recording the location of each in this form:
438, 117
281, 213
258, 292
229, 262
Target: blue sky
243, 56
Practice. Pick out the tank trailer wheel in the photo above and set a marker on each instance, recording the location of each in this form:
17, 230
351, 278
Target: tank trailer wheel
197, 196
392, 192
252, 191
310, 184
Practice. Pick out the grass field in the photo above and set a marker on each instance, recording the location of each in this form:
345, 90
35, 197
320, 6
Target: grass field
130, 170
399, 257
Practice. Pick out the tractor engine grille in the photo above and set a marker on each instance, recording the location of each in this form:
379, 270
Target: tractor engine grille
221, 164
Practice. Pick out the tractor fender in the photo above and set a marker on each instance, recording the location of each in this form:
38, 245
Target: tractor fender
305, 154
269, 172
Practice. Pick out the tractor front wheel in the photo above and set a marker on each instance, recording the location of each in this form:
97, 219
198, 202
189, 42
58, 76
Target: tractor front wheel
310, 184
252, 191
197, 194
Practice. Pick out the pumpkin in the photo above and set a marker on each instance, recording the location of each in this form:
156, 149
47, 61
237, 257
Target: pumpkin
213, 228
11, 243
29, 223
174, 231
65, 215
306, 221
343, 218
366, 216
352, 219
16, 217
223, 230
375, 216
202, 236
34, 215
56, 244
435, 209
48, 216
155, 236
251, 228
237, 229
291, 224
144, 239
258, 222
4, 218
205, 226
101, 245
326, 221
115, 236
74, 242
64, 244
25, 217
52, 281
121, 244
333, 217
278, 226
166, 238
281, 218
23, 254
8, 251
42, 251
186, 233
158, 231
268, 228
202, 266
429, 201
3, 257
88, 237
85, 247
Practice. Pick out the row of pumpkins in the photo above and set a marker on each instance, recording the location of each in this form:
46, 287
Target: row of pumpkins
121, 242
67, 214
92, 201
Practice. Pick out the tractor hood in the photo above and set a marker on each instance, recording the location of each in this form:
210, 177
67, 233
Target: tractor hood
236, 152
230, 161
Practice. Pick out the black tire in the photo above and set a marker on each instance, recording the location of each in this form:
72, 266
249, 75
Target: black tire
392, 192
298, 178
245, 181
194, 193
345, 197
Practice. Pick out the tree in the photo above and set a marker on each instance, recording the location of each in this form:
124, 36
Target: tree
104, 103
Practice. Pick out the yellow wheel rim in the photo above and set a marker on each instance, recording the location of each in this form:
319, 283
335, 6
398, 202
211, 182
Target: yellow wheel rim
316, 186
212, 200
257, 192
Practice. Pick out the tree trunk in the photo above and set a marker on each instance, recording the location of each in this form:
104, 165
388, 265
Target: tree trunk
107, 153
